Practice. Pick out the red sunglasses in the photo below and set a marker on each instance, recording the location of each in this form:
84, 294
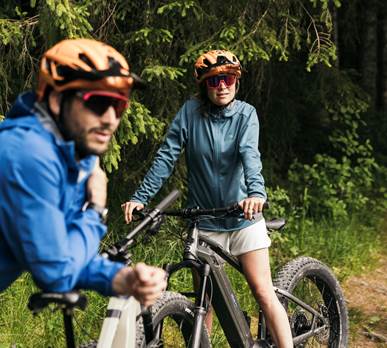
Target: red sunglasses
214, 81
100, 101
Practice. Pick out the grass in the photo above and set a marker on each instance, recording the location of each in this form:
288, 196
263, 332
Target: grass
343, 246
20, 328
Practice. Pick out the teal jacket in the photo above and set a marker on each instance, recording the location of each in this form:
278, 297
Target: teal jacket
222, 156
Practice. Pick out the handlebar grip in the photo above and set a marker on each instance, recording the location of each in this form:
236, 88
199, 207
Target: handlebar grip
167, 201
236, 206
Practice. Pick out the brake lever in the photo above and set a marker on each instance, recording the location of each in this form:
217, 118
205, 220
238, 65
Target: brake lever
139, 215
155, 226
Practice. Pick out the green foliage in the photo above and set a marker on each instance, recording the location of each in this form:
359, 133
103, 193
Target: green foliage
337, 186
10, 32
154, 38
158, 72
279, 201
64, 19
182, 8
150, 36
136, 120
20, 328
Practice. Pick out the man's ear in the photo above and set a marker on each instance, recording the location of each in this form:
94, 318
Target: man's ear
54, 102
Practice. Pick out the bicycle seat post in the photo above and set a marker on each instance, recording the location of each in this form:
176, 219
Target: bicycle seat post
68, 325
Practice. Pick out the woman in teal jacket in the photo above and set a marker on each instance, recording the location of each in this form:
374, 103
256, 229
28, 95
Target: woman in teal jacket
220, 138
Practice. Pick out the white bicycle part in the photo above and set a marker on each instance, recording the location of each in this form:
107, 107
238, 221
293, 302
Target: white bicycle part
119, 326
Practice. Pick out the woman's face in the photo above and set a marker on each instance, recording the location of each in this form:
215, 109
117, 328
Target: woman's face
221, 89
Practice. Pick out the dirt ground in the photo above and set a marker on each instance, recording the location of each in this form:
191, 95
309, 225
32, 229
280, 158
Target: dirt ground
366, 297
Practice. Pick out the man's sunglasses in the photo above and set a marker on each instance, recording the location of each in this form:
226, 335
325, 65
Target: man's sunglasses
214, 81
100, 101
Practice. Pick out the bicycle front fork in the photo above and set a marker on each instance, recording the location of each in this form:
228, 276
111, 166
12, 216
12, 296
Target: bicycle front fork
200, 308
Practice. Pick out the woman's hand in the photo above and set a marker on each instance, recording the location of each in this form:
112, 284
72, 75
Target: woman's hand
251, 206
128, 208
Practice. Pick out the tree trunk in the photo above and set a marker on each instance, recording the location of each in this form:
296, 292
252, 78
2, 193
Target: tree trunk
384, 58
369, 58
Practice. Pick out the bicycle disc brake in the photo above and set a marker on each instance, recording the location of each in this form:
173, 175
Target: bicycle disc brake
323, 336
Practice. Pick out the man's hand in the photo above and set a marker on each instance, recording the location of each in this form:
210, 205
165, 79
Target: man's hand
251, 206
145, 283
97, 186
128, 208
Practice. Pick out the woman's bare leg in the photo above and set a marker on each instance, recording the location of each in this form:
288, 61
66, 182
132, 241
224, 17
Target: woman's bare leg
256, 268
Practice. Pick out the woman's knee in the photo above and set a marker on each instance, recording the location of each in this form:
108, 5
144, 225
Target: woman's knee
264, 294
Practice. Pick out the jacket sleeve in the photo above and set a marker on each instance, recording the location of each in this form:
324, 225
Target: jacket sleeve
98, 275
57, 254
251, 157
165, 159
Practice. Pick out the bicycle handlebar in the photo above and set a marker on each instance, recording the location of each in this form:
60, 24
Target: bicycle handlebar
149, 217
233, 210
118, 252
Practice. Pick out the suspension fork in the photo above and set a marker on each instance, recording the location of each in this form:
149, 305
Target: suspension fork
262, 329
203, 270
200, 296
200, 307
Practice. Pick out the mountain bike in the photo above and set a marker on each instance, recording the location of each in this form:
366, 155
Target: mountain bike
306, 287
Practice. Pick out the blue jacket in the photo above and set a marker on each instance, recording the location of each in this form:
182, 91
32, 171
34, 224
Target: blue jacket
42, 189
223, 161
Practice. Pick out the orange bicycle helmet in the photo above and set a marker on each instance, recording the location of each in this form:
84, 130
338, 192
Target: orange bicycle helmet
217, 62
84, 64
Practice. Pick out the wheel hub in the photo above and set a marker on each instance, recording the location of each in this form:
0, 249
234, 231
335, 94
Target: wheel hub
299, 323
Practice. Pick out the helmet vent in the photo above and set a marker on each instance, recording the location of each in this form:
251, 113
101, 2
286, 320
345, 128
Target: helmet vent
222, 60
85, 59
48, 66
206, 62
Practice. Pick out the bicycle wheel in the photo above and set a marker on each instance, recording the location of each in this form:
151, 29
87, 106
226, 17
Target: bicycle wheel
314, 283
173, 319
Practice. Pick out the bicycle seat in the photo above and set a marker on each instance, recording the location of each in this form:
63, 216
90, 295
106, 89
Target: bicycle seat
68, 300
275, 224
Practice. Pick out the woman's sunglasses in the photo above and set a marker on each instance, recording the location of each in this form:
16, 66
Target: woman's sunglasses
214, 81
100, 101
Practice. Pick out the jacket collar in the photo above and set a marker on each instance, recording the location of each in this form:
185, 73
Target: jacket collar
27, 112
225, 111
67, 147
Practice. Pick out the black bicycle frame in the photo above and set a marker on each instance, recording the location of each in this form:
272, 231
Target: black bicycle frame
203, 255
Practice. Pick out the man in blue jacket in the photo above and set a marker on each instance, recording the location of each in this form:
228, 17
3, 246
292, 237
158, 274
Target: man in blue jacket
52, 189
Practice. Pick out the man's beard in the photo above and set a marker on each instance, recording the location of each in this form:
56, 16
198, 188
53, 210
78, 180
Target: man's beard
79, 137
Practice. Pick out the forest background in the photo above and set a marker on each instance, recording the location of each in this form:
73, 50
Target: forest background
316, 71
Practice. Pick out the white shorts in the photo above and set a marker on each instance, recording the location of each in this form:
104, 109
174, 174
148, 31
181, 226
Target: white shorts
241, 241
